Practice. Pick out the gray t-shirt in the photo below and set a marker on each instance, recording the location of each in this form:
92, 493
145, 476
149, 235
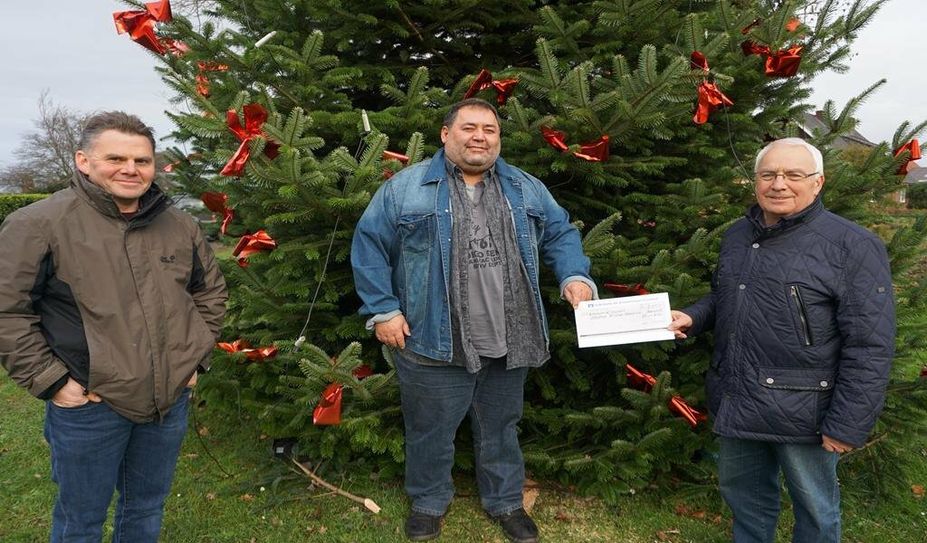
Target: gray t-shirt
485, 280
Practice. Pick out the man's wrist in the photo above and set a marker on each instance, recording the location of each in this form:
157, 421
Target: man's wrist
50, 392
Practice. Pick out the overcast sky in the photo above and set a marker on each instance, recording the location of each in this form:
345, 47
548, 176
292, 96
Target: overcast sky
70, 47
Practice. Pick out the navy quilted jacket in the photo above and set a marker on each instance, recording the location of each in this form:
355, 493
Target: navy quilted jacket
804, 327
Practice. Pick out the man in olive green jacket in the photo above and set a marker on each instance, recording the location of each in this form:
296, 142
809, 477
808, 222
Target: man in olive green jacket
110, 303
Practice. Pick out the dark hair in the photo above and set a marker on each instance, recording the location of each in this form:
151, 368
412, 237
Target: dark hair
451, 114
113, 120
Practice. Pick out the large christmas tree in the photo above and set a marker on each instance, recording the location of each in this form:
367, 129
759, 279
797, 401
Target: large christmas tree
641, 116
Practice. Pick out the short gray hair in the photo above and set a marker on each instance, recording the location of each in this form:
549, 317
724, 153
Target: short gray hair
119, 121
798, 142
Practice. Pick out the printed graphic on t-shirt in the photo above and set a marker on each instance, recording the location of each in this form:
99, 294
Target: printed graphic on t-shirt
483, 253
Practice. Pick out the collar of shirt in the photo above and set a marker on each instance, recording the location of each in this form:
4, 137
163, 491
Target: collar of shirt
454, 172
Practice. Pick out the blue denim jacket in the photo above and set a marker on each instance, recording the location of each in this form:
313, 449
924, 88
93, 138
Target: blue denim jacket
401, 252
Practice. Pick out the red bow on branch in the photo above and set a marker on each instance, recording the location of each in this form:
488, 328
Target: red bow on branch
782, 63
677, 404
255, 117
596, 151
484, 80
216, 202
250, 244
242, 346
912, 147
698, 61
626, 290
710, 97
390, 155
202, 82
756, 22
140, 26
328, 411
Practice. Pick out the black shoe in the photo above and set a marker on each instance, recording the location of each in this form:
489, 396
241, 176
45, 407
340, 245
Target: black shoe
518, 527
422, 527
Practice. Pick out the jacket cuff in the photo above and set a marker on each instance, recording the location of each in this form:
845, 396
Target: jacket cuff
582, 279
844, 433
381, 317
55, 375
52, 390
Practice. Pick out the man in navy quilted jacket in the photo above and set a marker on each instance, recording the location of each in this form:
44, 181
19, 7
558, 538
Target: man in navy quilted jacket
804, 326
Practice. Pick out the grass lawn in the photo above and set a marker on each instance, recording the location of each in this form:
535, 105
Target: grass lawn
263, 501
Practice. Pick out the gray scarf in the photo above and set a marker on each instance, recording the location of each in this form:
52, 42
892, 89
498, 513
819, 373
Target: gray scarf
524, 336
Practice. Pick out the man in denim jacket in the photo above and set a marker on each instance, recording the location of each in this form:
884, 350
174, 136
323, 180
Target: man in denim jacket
446, 260
804, 327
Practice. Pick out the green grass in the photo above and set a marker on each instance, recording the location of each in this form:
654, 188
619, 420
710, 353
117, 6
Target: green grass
264, 501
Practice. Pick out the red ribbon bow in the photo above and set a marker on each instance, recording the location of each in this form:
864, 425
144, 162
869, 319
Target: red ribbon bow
626, 290
250, 244
596, 151
202, 82
484, 80
390, 155
698, 61
677, 404
216, 202
914, 148
782, 63
710, 97
242, 346
756, 22
140, 26
328, 411
255, 117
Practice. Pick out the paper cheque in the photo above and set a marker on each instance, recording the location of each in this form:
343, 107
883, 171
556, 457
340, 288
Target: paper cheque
617, 321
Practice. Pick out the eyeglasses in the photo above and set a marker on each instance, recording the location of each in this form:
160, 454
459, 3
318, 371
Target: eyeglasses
791, 175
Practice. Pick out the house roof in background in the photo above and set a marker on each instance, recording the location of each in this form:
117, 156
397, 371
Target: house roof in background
811, 122
917, 174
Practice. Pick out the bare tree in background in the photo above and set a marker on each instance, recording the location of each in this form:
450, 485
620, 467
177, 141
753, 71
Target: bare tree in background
44, 160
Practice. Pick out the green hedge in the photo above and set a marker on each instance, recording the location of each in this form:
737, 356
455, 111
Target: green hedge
11, 202
917, 196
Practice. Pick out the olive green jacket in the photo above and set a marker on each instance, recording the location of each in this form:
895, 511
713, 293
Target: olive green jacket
129, 308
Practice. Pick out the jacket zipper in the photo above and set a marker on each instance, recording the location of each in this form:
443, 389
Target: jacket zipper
802, 314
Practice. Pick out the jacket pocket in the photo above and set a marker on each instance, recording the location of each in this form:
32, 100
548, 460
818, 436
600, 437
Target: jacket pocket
800, 315
793, 401
536, 222
417, 241
416, 232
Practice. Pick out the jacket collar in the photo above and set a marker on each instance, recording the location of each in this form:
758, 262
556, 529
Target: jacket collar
755, 216
150, 205
437, 170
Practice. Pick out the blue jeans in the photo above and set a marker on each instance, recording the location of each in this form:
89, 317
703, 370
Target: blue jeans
749, 475
95, 450
435, 400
